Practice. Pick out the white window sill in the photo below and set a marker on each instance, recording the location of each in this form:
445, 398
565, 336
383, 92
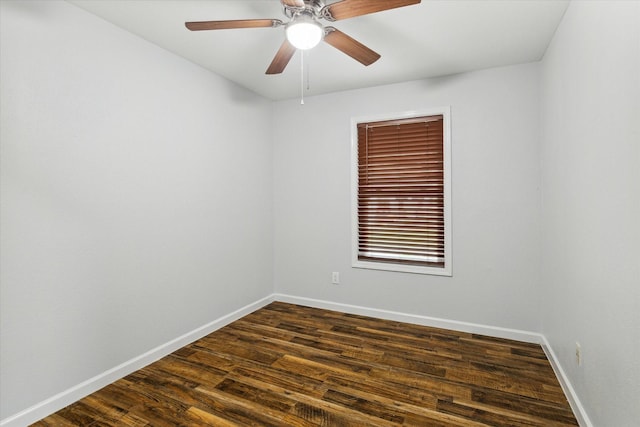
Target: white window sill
402, 268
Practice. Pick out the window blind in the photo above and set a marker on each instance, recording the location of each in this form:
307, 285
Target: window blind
401, 191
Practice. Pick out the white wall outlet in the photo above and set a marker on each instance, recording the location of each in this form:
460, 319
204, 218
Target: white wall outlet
335, 278
578, 354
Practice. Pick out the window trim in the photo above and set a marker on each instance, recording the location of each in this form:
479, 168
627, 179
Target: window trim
387, 266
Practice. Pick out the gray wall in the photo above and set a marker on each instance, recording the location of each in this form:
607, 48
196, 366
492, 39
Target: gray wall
136, 202
495, 199
590, 115
137, 205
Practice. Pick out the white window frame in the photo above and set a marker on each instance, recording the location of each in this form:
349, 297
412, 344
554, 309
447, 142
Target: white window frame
388, 266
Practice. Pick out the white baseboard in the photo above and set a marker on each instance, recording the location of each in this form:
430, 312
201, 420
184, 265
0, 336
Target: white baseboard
572, 397
67, 397
474, 328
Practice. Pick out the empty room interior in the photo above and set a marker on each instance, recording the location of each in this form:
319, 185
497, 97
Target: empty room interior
161, 193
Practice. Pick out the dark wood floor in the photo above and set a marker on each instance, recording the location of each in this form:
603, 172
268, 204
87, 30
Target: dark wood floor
288, 365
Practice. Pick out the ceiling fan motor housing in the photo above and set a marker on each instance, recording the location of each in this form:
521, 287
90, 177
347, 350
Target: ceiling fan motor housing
313, 7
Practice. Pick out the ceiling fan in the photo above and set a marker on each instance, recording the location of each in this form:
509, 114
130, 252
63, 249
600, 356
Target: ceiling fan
304, 31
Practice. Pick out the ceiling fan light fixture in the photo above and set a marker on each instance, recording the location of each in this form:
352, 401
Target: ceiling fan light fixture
304, 33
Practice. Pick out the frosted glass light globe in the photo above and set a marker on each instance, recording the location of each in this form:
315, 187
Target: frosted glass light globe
304, 33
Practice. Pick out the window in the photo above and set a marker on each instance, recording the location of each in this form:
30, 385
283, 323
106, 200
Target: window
401, 192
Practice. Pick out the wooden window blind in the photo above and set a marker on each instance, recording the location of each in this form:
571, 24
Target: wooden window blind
400, 196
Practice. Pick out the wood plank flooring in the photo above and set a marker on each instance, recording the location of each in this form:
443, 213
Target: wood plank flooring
288, 365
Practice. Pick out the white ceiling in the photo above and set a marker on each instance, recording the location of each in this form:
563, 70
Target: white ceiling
434, 38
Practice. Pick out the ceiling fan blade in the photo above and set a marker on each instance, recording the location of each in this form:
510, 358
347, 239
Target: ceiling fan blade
293, 3
350, 46
349, 8
282, 58
238, 23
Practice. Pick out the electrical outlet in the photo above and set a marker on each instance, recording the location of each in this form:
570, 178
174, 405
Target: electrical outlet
335, 278
578, 354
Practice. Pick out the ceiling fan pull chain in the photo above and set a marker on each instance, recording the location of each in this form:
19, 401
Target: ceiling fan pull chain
306, 53
301, 77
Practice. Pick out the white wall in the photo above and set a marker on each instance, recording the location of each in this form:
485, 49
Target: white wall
496, 201
122, 226
590, 112
136, 203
